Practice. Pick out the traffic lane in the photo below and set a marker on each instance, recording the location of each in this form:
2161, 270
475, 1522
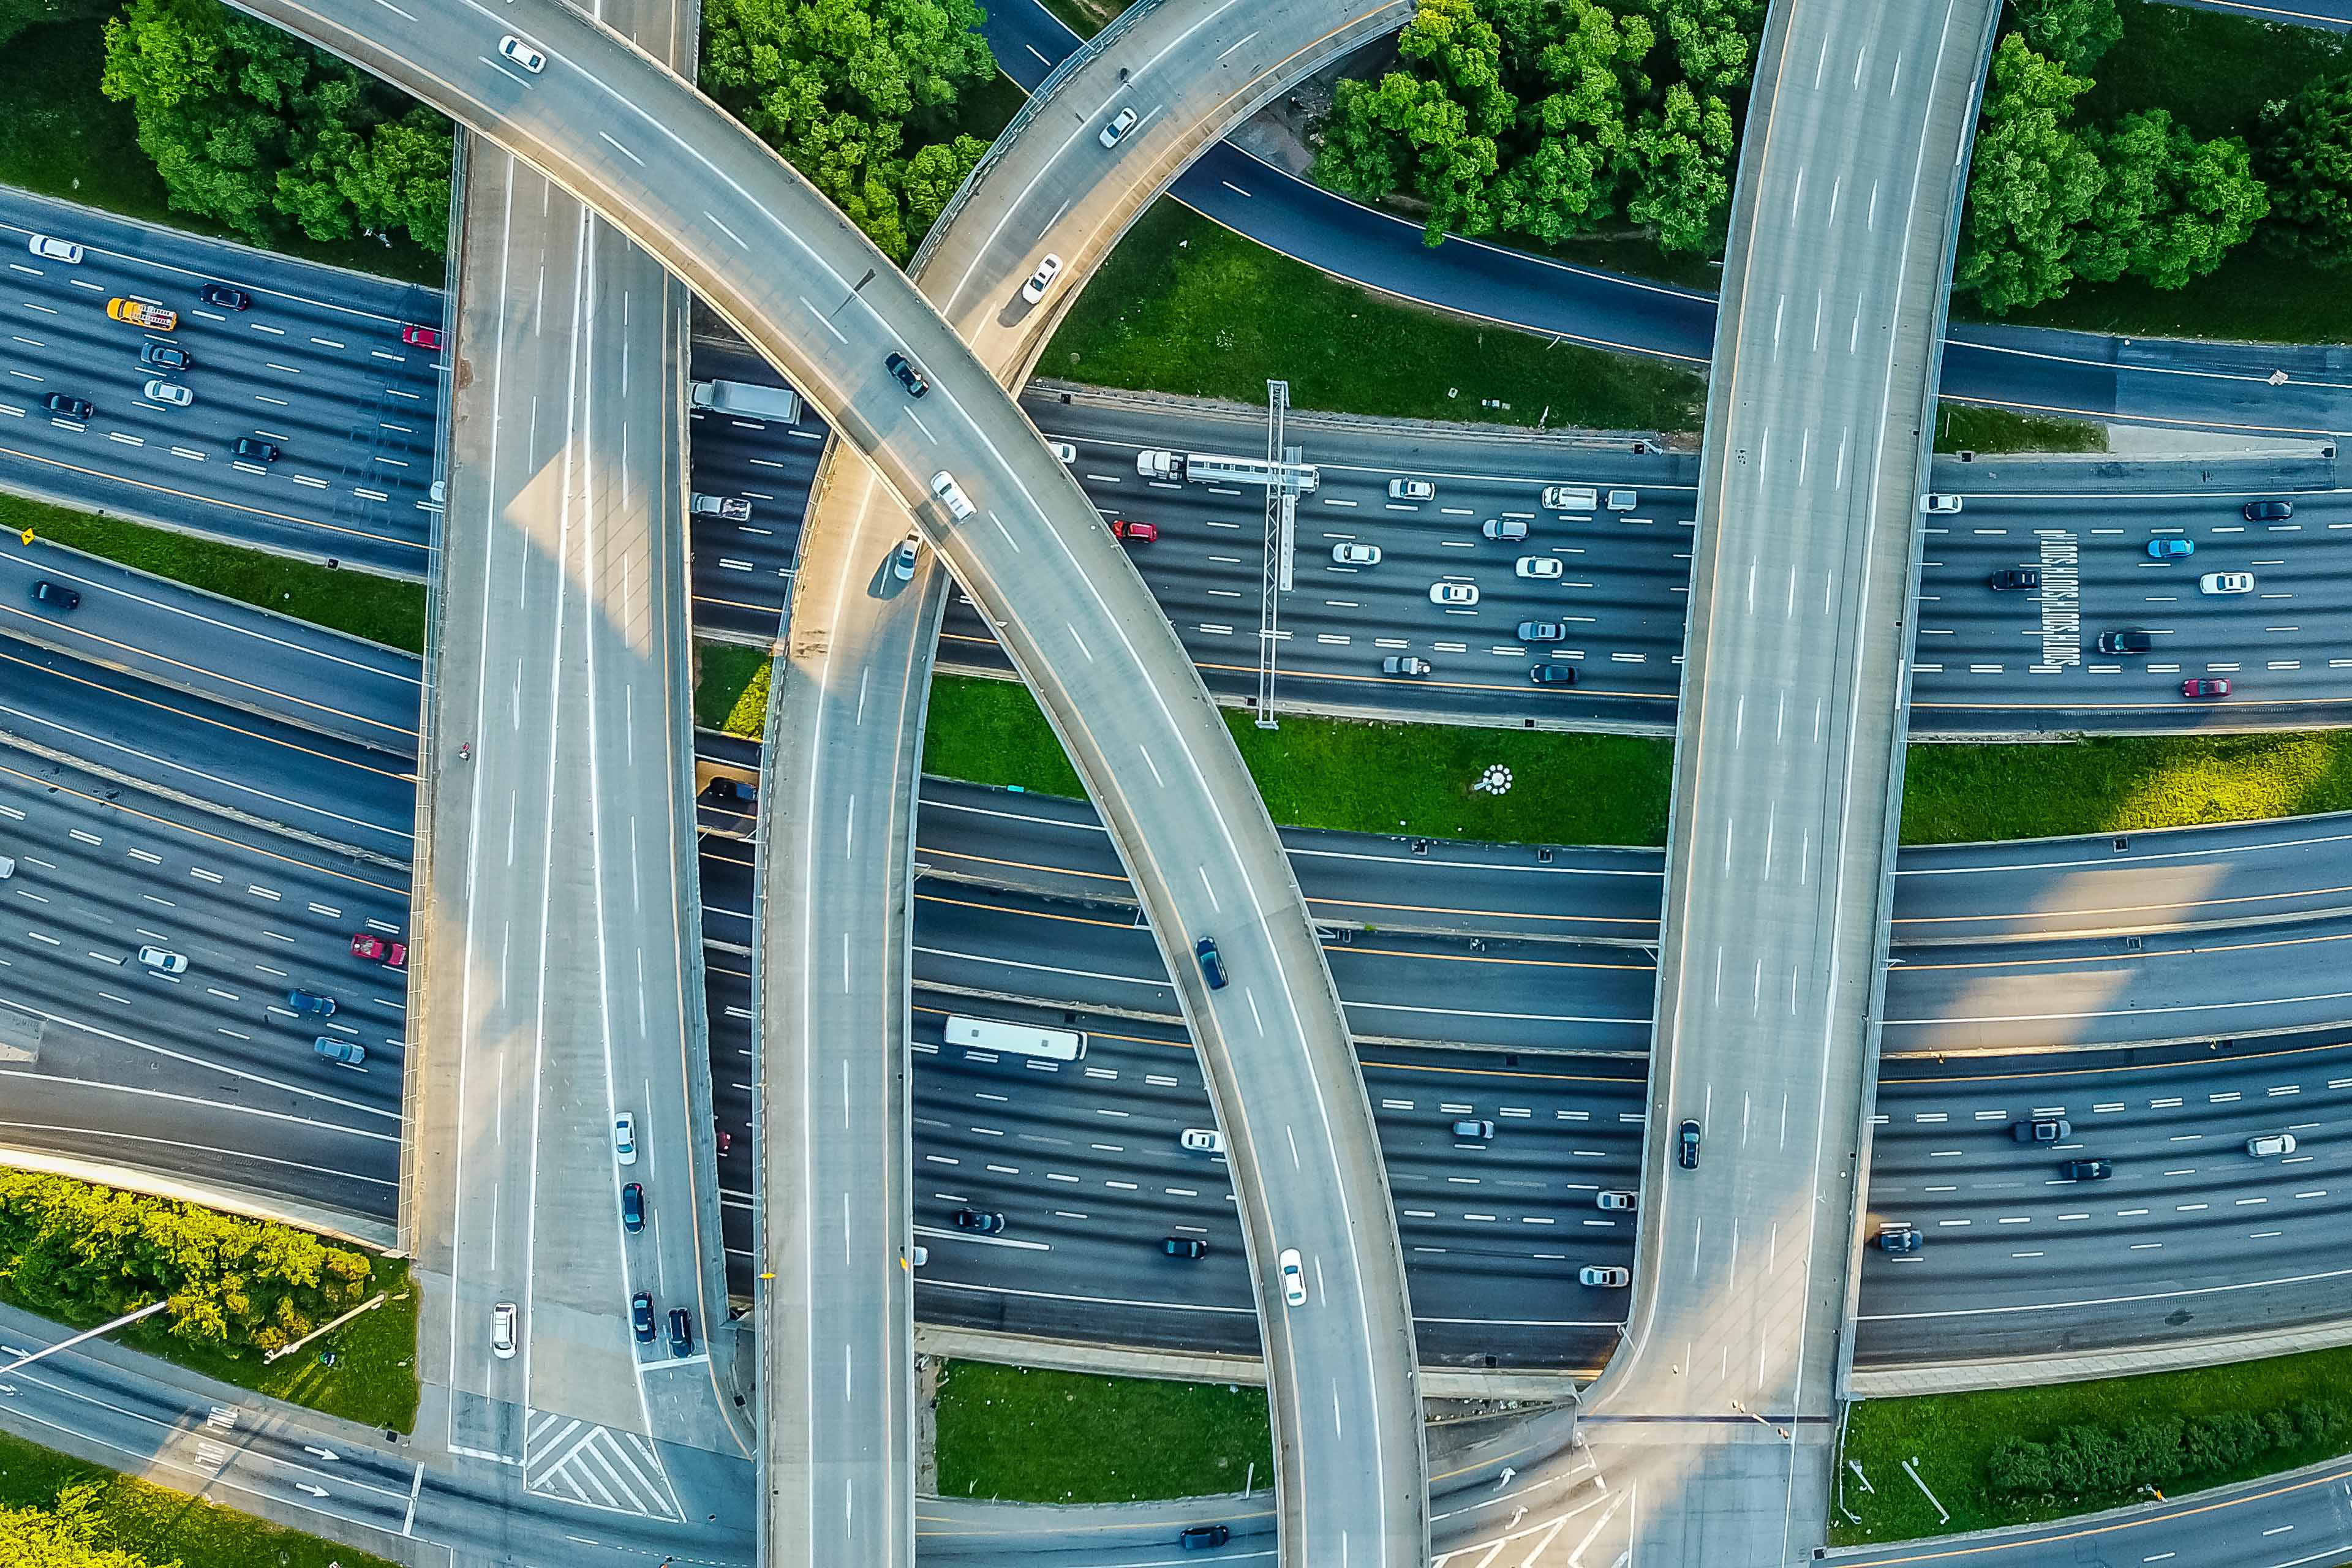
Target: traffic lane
228, 651
96, 882
2120, 990
1083, 1161
2037, 649
1056, 846
1000, 944
2166, 879
234, 760
729, 886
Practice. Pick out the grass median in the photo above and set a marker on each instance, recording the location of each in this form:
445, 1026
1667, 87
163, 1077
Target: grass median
159, 1524
1612, 789
1188, 307
2191, 1430
381, 609
1019, 1435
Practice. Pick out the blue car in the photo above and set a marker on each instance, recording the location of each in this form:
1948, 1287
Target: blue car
2171, 549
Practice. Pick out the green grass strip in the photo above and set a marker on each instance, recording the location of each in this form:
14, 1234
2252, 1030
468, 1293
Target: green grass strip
1184, 306
1019, 1435
1949, 1438
162, 1525
1960, 427
381, 609
1612, 789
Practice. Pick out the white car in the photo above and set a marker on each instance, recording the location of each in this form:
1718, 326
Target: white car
2271, 1144
49, 249
1048, 268
522, 54
170, 392
162, 960
902, 559
1454, 593
2226, 582
734, 508
1294, 1279
1202, 1140
1936, 504
1616, 1202
950, 495
1542, 568
1504, 528
1063, 450
1623, 501
1354, 554
502, 1330
1412, 489
624, 1138
1609, 1279
1120, 124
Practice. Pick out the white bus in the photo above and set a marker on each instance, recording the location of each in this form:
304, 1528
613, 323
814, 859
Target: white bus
1017, 1039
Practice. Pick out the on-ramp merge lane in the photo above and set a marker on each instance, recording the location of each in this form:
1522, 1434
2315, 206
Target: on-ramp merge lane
638, 145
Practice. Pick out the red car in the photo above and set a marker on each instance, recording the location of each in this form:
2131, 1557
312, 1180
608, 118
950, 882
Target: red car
421, 337
2205, 686
391, 954
1137, 532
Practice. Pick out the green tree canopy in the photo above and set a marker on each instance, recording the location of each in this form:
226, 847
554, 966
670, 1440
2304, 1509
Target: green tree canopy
260, 133
2032, 184
2074, 33
2304, 152
66, 1536
842, 87
16, 15
1548, 117
2170, 206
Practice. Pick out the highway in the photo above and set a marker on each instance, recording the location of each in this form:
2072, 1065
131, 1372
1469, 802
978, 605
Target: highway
555, 962
228, 1094
1720, 1413
695, 189
1043, 192
2034, 369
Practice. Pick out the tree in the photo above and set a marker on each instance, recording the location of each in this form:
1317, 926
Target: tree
258, 130
2171, 206
839, 87
69, 1535
2304, 152
1548, 118
2032, 184
16, 15
2074, 33
1682, 155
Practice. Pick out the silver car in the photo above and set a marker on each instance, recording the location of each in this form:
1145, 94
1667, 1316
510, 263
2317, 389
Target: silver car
171, 393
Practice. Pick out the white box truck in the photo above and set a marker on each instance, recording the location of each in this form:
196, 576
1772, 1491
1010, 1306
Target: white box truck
777, 405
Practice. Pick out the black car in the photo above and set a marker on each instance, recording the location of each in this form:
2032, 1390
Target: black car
979, 1220
1213, 963
724, 788
2009, 578
913, 380
632, 1207
227, 298
1900, 1239
681, 1333
68, 407
310, 1001
1203, 1537
1553, 674
2127, 642
2087, 1169
641, 1316
56, 595
1186, 1247
2268, 510
164, 356
254, 449
1687, 1146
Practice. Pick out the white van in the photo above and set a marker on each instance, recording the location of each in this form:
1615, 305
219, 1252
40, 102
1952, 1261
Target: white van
1571, 497
8, 868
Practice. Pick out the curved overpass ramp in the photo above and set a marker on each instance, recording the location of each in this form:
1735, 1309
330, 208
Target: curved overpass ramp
834, 928
642, 148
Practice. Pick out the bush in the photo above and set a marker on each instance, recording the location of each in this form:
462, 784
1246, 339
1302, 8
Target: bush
2079, 1462
70, 1534
84, 1254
